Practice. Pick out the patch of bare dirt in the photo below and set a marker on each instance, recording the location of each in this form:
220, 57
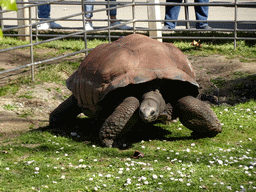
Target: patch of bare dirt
31, 106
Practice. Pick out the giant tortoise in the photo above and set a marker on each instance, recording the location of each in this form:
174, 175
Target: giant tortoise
135, 77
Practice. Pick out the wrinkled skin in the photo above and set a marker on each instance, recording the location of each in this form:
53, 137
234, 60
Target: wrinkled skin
193, 113
152, 106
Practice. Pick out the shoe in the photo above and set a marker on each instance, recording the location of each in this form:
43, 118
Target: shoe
46, 26
43, 26
204, 27
123, 27
167, 27
88, 26
54, 25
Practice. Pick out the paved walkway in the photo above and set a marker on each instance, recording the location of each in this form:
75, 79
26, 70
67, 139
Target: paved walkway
215, 13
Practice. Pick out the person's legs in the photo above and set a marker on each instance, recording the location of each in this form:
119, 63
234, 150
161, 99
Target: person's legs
113, 14
89, 8
44, 11
172, 13
88, 24
201, 14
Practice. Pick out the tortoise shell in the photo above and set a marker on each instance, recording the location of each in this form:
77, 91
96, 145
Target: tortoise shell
133, 59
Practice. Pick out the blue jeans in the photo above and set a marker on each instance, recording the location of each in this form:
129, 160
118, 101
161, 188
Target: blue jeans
90, 8
172, 13
44, 11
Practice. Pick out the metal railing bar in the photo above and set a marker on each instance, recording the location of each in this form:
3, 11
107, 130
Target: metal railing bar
58, 19
179, 37
227, 4
79, 2
145, 3
62, 36
140, 20
41, 42
235, 25
193, 21
83, 33
194, 29
31, 47
27, 6
106, 36
41, 22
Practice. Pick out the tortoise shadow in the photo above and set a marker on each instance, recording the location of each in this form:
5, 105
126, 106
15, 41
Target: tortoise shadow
87, 131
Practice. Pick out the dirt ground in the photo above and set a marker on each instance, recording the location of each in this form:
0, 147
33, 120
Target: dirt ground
19, 113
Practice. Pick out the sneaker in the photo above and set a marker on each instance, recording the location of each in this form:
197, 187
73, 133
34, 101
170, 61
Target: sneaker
204, 27
88, 26
123, 27
167, 27
54, 25
46, 26
43, 26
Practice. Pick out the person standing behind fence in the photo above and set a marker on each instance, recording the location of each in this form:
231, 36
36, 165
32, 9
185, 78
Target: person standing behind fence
113, 13
44, 13
172, 13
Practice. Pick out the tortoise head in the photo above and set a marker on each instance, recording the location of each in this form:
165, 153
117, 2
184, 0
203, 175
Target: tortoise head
151, 106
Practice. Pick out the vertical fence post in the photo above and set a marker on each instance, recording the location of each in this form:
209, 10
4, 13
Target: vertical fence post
133, 16
154, 14
109, 39
23, 13
85, 33
36, 14
186, 14
1, 21
235, 27
31, 47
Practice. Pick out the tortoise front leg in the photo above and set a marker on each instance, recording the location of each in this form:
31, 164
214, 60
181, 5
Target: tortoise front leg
116, 122
65, 113
198, 117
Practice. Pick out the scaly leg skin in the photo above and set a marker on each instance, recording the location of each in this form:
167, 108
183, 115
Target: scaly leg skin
66, 112
116, 122
198, 117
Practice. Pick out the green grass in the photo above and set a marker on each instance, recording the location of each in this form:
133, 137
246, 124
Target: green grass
10, 107
66, 44
246, 51
27, 95
45, 162
47, 73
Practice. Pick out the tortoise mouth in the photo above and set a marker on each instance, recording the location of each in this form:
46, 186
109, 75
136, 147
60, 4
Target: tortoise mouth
148, 115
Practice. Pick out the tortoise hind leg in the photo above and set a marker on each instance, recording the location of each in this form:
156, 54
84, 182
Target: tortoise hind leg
65, 113
118, 121
198, 117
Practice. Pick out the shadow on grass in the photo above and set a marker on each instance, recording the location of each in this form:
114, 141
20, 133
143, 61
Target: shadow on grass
87, 131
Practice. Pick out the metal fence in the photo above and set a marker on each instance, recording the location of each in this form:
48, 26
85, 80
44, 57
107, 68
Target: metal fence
33, 33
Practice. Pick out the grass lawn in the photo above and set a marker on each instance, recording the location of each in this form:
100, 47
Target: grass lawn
41, 161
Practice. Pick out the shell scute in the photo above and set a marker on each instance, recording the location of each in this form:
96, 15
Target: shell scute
133, 59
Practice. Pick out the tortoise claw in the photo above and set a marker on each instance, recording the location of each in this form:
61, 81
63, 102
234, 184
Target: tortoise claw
108, 142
